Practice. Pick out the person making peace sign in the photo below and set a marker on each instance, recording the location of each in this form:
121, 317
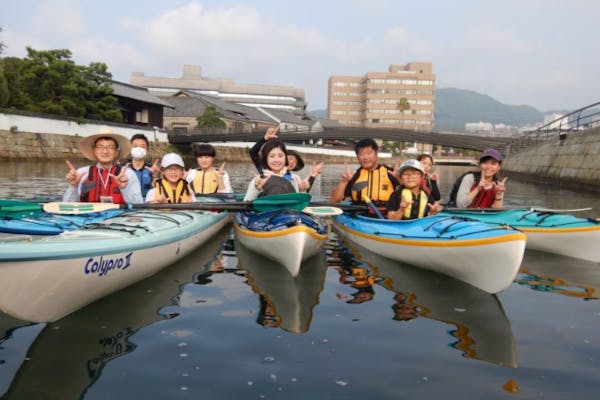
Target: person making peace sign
105, 181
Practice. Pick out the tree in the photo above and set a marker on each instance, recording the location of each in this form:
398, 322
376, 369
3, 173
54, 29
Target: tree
11, 68
1, 43
210, 118
50, 82
403, 105
4, 95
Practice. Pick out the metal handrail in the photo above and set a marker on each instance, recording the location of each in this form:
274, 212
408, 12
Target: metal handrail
580, 119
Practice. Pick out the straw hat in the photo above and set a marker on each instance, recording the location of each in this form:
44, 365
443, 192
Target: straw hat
86, 145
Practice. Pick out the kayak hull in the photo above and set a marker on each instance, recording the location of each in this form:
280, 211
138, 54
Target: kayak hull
290, 240
546, 231
46, 279
487, 258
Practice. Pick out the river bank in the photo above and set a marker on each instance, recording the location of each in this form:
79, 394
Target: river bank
48, 146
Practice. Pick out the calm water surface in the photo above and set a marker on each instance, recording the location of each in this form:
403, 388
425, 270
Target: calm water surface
224, 323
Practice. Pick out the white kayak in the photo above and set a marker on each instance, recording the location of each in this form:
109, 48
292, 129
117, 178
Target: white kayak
42, 280
286, 236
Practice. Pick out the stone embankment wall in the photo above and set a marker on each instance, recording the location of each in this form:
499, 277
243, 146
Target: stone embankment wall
49, 146
573, 161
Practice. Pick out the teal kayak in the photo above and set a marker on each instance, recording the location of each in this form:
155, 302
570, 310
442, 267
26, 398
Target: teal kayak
547, 231
45, 278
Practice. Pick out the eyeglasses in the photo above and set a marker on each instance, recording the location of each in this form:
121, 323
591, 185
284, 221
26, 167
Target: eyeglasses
106, 147
411, 173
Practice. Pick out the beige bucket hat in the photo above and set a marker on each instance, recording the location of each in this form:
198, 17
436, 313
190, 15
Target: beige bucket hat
86, 145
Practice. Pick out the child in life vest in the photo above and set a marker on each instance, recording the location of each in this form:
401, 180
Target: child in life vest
206, 179
409, 200
171, 188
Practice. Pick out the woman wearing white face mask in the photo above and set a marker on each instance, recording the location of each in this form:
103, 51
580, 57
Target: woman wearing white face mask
145, 171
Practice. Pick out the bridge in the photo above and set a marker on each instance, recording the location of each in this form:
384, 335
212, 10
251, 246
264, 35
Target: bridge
580, 119
455, 140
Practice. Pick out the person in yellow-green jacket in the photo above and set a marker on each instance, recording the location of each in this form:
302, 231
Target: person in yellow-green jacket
171, 188
206, 179
409, 200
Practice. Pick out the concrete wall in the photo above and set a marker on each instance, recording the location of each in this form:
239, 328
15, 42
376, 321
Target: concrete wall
66, 126
571, 162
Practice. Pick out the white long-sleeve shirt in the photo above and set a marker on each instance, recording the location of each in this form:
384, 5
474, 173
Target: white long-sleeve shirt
132, 193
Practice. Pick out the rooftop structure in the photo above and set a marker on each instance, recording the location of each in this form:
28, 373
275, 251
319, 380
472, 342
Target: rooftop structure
254, 95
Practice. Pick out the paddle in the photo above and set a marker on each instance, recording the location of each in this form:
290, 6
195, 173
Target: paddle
10, 207
287, 201
372, 206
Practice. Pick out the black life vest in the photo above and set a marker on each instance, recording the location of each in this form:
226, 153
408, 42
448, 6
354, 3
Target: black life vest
277, 185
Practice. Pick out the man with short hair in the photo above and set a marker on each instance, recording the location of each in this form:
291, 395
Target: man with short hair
372, 179
145, 171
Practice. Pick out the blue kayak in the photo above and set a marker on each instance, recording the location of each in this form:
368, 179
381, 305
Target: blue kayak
482, 255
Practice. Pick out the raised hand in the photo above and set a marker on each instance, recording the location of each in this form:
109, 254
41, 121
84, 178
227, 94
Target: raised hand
433, 175
260, 181
72, 176
405, 202
347, 174
122, 178
221, 169
435, 208
271, 133
317, 169
500, 187
155, 167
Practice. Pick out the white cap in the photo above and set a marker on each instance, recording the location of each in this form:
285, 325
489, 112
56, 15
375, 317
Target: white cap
413, 164
170, 159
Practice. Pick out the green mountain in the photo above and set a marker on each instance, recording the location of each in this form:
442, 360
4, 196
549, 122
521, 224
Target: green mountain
455, 107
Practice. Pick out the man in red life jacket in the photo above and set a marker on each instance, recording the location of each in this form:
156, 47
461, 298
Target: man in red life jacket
106, 180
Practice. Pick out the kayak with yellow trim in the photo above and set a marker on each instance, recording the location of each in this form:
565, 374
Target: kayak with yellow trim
286, 236
485, 256
548, 231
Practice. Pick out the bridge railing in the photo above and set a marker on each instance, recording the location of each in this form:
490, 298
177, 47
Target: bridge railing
578, 120
575, 121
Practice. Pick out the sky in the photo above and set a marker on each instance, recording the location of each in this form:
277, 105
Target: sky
541, 53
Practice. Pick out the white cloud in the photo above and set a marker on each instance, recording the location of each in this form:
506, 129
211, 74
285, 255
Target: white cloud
492, 48
58, 18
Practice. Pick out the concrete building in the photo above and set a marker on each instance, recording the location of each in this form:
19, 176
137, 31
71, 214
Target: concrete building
374, 99
266, 96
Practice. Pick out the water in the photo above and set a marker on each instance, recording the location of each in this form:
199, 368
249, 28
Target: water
221, 324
